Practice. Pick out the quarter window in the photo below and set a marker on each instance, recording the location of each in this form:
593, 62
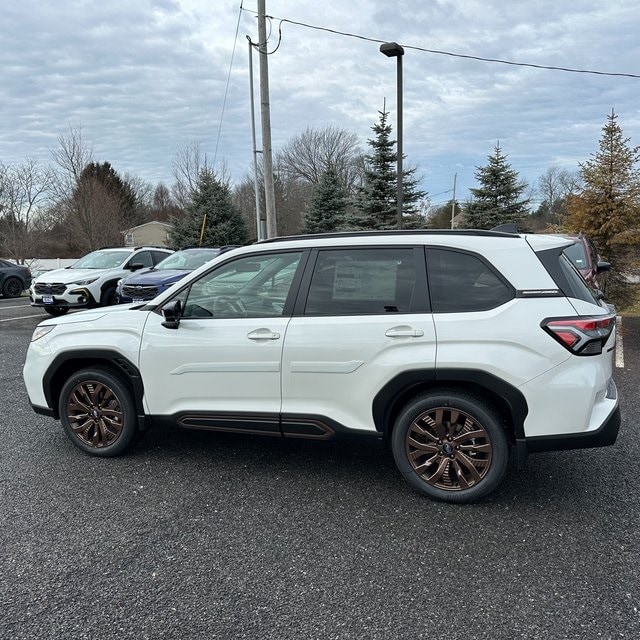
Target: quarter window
362, 281
460, 282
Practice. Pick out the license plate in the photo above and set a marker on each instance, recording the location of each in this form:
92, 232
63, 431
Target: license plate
137, 301
47, 299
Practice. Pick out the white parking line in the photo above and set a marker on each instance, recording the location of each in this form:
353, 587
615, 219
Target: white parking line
33, 315
619, 349
18, 306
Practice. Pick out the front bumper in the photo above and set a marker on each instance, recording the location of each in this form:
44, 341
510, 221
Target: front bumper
77, 298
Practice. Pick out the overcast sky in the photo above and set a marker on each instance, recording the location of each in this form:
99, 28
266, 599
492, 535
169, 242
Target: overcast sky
144, 77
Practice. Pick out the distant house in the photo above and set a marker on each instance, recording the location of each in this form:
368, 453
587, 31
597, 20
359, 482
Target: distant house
152, 233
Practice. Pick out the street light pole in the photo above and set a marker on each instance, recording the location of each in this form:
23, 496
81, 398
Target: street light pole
394, 50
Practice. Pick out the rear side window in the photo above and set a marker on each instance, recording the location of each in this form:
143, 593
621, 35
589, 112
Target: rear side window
576, 285
460, 282
565, 275
362, 281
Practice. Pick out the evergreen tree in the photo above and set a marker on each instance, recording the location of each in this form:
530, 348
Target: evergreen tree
377, 203
498, 199
120, 190
328, 207
610, 201
211, 202
440, 217
608, 208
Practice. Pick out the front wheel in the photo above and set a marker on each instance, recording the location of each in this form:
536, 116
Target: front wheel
109, 297
97, 412
56, 311
451, 446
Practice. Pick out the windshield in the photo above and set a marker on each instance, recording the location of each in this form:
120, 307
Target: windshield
188, 260
577, 255
101, 260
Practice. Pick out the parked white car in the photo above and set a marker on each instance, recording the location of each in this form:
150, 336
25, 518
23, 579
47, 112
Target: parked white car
92, 280
460, 348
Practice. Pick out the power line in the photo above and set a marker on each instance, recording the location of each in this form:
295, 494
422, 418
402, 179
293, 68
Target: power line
449, 53
226, 89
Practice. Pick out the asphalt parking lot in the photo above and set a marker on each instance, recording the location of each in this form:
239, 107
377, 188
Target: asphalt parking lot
200, 535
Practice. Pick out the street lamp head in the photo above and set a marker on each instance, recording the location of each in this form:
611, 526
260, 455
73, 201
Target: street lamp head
391, 49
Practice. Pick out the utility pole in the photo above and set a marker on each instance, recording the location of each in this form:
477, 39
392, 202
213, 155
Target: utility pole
453, 201
267, 160
261, 229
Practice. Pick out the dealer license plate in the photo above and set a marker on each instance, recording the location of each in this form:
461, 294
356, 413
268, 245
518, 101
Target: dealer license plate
47, 299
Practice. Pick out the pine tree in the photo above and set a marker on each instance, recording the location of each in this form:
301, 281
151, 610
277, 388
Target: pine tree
377, 199
498, 199
211, 203
328, 207
610, 201
608, 208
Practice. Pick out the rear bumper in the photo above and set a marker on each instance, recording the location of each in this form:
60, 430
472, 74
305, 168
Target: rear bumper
604, 436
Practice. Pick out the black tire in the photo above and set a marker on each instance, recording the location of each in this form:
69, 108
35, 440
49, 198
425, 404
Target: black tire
56, 311
109, 297
98, 413
451, 446
12, 287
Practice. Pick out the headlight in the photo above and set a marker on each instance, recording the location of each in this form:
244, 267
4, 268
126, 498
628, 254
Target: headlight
82, 283
119, 286
41, 332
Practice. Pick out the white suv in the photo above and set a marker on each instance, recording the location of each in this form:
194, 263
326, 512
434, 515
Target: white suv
92, 280
460, 349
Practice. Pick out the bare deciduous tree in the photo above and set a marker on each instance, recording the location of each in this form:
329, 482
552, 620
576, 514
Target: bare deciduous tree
308, 156
554, 185
25, 190
71, 156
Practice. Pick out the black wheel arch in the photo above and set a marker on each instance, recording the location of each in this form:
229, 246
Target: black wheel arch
394, 396
66, 364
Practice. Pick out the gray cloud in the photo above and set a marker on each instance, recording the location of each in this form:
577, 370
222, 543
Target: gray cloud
143, 78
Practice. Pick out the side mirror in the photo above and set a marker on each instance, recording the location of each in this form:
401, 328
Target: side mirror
603, 266
136, 266
172, 313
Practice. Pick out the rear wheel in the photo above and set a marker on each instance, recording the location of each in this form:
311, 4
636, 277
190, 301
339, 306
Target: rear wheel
451, 446
98, 413
12, 288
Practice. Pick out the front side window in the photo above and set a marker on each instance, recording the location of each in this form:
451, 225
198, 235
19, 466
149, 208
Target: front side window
254, 286
460, 282
362, 281
143, 258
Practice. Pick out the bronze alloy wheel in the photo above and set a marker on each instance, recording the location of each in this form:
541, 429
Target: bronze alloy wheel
448, 449
95, 414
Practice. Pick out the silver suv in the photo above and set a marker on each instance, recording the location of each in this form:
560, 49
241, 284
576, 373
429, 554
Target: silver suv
92, 280
461, 349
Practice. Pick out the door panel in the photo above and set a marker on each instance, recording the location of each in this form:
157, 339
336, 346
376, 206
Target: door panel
363, 322
225, 355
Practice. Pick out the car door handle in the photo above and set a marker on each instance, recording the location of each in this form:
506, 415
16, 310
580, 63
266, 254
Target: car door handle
404, 332
263, 334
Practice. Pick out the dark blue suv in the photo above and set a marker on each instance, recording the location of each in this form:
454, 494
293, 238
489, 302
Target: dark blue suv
146, 284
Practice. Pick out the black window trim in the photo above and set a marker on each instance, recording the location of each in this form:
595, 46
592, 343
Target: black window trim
293, 290
419, 298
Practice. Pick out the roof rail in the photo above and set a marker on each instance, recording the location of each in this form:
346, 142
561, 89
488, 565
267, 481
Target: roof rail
395, 232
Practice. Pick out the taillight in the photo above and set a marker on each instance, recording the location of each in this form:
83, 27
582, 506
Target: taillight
584, 336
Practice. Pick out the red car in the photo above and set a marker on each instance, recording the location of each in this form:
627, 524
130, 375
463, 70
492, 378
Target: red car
585, 257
